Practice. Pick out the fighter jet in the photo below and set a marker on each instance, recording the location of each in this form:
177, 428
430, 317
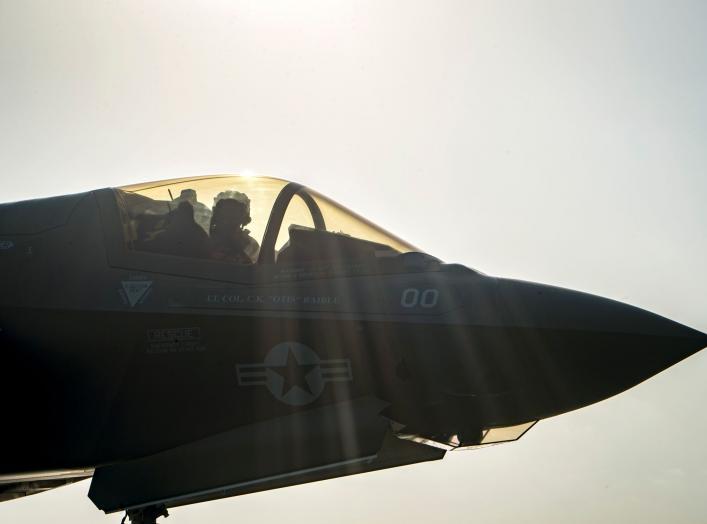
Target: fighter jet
190, 339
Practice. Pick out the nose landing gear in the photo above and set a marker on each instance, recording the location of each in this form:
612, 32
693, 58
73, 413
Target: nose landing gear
146, 515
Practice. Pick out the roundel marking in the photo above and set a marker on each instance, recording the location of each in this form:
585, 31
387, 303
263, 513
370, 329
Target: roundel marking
294, 374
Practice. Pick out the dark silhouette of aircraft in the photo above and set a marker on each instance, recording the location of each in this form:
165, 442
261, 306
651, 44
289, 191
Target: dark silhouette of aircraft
192, 339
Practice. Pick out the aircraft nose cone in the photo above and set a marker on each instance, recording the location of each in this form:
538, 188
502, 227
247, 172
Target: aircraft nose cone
583, 348
542, 306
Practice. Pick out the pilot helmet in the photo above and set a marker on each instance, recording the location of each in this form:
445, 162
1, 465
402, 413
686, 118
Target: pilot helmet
229, 207
234, 195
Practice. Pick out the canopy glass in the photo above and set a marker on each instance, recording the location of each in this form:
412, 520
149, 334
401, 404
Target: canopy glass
247, 220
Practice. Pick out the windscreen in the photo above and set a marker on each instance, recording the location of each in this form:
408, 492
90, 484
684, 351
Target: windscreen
338, 218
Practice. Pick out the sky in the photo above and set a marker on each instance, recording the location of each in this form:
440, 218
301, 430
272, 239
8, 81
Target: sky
561, 142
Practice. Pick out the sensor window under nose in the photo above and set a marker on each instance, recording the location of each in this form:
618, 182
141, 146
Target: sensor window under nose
487, 436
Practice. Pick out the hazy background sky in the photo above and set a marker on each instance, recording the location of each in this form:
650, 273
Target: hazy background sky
554, 141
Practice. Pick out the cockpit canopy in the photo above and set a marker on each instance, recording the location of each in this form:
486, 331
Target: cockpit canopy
247, 220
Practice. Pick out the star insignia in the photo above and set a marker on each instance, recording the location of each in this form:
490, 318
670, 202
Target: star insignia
294, 374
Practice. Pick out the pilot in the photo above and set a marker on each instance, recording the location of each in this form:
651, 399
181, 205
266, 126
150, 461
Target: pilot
230, 241
202, 213
182, 236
